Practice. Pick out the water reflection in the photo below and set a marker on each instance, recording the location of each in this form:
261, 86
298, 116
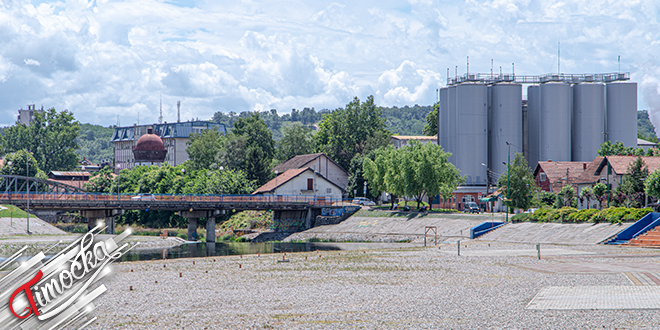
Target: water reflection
193, 250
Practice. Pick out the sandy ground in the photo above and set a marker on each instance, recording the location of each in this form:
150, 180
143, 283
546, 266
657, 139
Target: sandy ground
489, 286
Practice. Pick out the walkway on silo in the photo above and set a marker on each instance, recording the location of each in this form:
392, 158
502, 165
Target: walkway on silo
554, 233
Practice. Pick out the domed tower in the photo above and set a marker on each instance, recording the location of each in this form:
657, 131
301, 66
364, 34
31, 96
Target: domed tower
149, 150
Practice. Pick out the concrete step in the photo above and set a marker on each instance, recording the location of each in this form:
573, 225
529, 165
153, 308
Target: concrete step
650, 238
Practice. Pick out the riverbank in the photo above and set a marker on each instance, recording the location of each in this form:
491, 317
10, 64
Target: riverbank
490, 286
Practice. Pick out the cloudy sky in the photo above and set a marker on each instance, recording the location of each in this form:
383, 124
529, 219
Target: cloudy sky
113, 60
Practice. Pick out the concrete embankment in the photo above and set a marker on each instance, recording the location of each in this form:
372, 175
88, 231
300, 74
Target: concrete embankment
398, 227
394, 228
555, 233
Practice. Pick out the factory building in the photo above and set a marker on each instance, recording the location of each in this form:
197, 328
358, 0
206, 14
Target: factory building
566, 117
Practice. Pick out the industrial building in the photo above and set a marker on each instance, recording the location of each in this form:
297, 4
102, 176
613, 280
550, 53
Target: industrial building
174, 138
484, 118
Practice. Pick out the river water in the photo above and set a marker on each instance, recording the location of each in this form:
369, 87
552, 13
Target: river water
193, 250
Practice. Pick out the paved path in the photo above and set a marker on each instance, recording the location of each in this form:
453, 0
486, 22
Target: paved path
597, 297
554, 233
18, 226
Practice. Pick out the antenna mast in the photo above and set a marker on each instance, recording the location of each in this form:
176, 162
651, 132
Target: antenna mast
178, 111
160, 118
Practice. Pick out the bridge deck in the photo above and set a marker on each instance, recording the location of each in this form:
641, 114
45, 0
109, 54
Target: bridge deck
82, 201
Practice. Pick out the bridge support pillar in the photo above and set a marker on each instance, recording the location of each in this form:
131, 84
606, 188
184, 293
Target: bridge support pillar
308, 220
192, 229
110, 225
210, 230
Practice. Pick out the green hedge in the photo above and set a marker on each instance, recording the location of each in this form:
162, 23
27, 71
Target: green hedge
569, 214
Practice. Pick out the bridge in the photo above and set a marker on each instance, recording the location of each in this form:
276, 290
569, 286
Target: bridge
47, 197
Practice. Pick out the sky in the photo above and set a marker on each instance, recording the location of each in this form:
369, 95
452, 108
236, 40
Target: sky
113, 62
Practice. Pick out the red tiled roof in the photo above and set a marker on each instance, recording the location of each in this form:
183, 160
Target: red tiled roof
589, 175
301, 161
556, 171
281, 179
620, 163
414, 137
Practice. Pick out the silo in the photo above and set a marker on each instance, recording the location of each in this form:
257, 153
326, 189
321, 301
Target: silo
533, 119
505, 124
588, 121
622, 112
472, 138
451, 123
555, 122
442, 119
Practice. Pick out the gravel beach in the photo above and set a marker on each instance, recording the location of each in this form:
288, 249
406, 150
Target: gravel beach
489, 287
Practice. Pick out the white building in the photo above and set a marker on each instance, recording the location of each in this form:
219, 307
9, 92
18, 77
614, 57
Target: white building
301, 182
318, 162
399, 141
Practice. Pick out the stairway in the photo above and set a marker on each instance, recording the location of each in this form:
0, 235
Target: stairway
650, 238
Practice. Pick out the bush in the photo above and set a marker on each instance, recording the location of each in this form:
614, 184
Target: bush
521, 217
582, 215
540, 214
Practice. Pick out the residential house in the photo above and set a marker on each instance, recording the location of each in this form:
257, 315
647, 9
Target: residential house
71, 178
320, 163
399, 141
301, 181
589, 178
552, 176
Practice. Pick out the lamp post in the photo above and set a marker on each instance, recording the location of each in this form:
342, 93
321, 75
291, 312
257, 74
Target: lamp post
508, 179
222, 168
27, 180
183, 174
487, 182
11, 212
276, 173
118, 180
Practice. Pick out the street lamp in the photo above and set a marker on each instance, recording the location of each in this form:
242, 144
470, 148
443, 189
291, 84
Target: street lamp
222, 168
487, 182
183, 174
11, 212
118, 180
276, 173
27, 180
508, 179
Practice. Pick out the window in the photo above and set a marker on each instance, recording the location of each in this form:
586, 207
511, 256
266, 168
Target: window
310, 184
542, 177
329, 190
468, 198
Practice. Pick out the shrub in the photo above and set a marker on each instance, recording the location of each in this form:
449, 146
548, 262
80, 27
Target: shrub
582, 215
521, 217
540, 214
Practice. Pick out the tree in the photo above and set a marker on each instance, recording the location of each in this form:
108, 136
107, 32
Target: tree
253, 143
101, 181
50, 138
521, 186
586, 194
632, 186
431, 127
565, 197
357, 129
652, 184
416, 170
611, 149
600, 190
203, 149
296, 140
19, 166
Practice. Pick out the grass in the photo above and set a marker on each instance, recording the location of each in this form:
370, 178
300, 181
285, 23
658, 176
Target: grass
13, 212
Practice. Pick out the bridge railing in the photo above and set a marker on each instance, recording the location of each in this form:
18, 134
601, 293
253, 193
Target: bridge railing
46, 196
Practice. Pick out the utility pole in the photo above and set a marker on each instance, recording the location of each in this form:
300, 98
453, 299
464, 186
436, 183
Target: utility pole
27, 180
508, 180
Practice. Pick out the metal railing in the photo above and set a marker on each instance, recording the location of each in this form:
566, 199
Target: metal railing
271, 199
488, 78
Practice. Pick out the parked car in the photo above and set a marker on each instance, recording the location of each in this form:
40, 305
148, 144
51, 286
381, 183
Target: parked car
363, 201
471, 207
144, 197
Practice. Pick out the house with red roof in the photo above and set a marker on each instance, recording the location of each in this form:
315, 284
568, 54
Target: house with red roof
301, 181
320, 163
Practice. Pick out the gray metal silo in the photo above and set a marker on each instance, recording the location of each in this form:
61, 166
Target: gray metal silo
505, 124
588, 121
451, 123
555, 122
442, 119
622, 113
472, 128
533, 120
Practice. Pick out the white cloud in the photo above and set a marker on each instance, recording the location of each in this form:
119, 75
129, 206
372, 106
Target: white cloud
101, 59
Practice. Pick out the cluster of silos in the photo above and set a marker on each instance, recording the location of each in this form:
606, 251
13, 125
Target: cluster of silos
572, 121
564, 122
